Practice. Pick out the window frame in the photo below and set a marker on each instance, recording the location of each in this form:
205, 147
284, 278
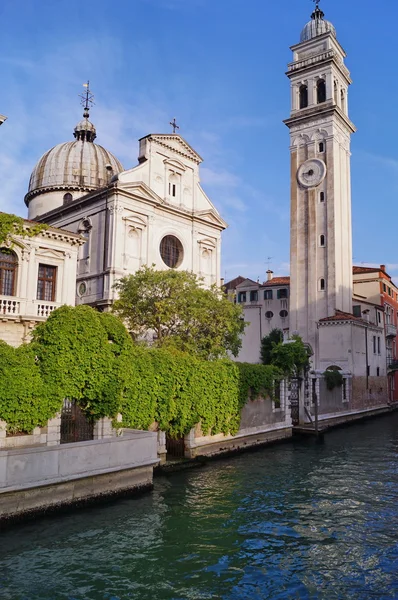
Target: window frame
41, 294
11, 268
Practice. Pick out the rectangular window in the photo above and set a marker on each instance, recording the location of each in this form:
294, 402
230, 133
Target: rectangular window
253, 296
384, 287
282, 293
267, 294
378, 345
174, 190
46, 283
242, 297
374, 344
356, 310
378, 316
378, 371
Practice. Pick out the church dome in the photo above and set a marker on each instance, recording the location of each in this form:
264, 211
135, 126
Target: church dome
317, 26
77, 167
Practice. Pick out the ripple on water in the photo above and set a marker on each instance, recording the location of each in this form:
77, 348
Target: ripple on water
299, 521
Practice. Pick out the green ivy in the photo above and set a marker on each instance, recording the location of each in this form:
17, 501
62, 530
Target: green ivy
11, 225
25, 402
333, 379
88, 356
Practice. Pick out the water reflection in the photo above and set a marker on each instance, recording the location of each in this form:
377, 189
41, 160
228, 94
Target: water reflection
291, 521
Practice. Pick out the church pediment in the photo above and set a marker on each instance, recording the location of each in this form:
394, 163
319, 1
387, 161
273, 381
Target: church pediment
47, 253
140, 189
177, 145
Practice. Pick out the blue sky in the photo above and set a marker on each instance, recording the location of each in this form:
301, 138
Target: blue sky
219, 67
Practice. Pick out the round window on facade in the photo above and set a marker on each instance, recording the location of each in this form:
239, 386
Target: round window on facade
82, 289
283, 314
269, 314
171, 251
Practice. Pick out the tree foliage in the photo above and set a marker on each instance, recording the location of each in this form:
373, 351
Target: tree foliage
291, 357
333, 378
173, 310
11, 225
267, 344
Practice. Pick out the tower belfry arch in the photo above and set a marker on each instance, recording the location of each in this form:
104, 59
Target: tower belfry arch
320, 131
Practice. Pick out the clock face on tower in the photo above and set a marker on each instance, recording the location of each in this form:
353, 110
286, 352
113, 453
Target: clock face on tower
311, 173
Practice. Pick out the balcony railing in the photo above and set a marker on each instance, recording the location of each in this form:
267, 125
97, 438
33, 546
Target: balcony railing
11, 306
391, 330
393, 365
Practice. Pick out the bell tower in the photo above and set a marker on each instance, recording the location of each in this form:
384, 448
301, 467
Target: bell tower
320, 131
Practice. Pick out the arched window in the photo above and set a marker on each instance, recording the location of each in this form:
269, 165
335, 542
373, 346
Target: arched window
322, 285
173, 183
342, 100
303, 96
68, 198
322, 197
321, 91
335, 92
322, 240
321, 147
84, 229
8, 272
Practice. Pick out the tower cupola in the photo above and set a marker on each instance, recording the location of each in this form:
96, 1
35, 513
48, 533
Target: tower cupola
317, 26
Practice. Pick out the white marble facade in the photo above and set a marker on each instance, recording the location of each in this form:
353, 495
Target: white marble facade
155, 213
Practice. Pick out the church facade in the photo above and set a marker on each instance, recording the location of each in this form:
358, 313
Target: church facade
154, 213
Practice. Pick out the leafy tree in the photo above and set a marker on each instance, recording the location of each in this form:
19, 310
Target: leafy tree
11, 225
291, 357
267, 344
171, 309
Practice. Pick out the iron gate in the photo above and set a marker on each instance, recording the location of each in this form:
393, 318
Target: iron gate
75, 426
295, 399
175, 447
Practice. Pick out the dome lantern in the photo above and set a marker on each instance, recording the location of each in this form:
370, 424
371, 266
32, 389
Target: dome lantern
317, 26
72, 169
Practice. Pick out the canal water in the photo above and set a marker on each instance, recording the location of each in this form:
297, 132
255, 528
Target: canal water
297, 520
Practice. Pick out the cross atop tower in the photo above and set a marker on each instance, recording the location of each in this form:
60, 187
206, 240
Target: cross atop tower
87, 99
174, 125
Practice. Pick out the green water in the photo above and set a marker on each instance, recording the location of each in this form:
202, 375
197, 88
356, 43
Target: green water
290, 521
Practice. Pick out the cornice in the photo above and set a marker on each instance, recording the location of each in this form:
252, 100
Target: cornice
326, 57
319, 111
57, 188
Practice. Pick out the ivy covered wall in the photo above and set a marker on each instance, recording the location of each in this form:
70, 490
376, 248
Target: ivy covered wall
82, 354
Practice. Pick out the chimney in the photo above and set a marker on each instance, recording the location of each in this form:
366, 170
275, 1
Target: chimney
222, 281
383, 268
269, 275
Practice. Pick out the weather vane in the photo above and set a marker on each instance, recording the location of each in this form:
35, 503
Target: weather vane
87, 99
174, 125
316, 2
